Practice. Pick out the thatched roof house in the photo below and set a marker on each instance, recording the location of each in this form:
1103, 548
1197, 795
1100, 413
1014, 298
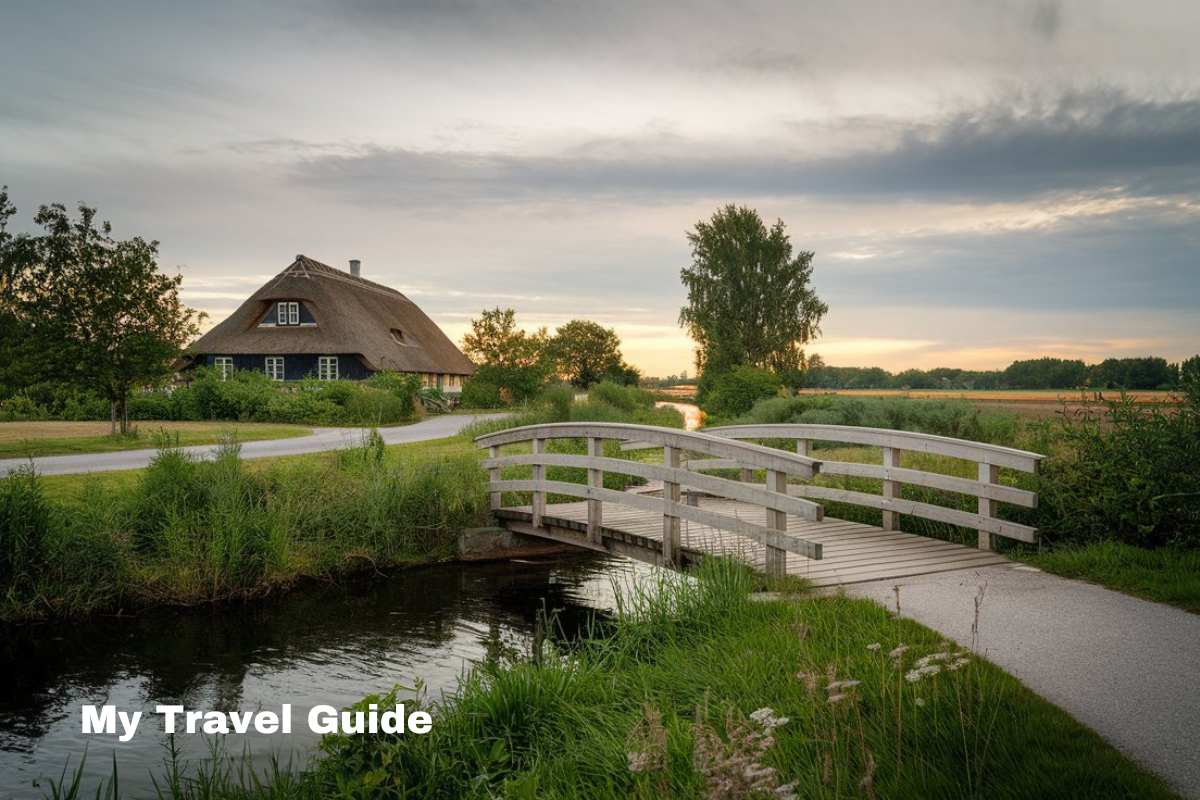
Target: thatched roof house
312, 319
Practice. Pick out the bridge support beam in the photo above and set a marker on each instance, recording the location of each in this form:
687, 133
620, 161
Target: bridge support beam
891, 489
539, 477
775, 559
671, 529
494, 478
988, 473
595, 508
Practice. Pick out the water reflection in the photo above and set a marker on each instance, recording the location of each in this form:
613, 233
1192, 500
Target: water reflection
324, 645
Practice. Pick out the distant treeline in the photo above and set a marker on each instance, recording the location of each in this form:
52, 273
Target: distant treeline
1038, 373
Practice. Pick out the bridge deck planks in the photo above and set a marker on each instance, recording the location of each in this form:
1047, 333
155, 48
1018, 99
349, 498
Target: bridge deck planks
853, 552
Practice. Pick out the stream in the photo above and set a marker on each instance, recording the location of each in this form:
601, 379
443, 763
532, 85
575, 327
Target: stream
320, 645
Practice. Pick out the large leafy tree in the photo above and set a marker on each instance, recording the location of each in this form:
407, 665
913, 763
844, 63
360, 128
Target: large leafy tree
510, 358
585, 352
749, 297
98, 309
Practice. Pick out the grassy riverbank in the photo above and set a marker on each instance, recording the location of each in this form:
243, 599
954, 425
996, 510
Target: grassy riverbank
188, 531
697, 690
185, 531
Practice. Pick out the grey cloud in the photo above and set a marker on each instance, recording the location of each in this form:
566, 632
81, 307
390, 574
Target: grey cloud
1080, 142
1047, 17
1107, 264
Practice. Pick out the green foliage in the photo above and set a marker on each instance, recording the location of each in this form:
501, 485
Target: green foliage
736, 391
26, 522
1046, 373
405, 386
96, 309
193, 531
1127, 473
749, 298
956, 418
1134, 373
683, 676
584, 353
516, 363
480, 392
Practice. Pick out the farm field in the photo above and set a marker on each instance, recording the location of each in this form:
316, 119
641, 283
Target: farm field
1031, 403
36, 439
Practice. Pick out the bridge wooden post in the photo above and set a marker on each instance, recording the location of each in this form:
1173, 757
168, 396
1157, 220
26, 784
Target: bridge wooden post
494, 477
775, 559
539, 475
595, 509
802, 447
891, 489
671, 529
988, 473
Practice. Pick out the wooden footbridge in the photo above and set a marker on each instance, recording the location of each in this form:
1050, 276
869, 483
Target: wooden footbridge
724, 492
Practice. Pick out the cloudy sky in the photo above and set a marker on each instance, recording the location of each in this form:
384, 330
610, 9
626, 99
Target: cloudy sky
980, 180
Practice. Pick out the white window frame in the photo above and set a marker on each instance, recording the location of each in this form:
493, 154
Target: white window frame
327, 368
225, 365
287, 313
274, 365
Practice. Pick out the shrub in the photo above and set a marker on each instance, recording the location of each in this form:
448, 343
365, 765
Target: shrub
956, 418
26, 521
479, 392
1127, 473
736, 391
403, 385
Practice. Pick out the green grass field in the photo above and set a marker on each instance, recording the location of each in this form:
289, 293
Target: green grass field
39, 439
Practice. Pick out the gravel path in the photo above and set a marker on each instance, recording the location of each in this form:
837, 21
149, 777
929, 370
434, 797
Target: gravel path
322, 439
1127, 668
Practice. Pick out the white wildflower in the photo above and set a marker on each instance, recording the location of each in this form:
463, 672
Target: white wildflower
873, 647
899, 651
836, 685
920, 702
837, 698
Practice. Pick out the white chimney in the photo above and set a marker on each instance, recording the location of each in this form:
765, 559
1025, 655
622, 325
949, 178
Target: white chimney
355, 267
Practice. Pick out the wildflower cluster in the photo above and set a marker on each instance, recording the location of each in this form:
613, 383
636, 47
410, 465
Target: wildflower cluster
934, 663
734, 768
649, 743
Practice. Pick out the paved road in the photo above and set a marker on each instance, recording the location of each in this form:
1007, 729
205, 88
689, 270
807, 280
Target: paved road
1128, 668
322, 439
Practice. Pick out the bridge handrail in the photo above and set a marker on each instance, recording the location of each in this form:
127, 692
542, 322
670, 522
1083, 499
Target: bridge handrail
882, 437
723, 447
989, 458
773, 497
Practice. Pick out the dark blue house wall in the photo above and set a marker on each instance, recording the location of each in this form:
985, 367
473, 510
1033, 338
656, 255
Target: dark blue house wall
298, 367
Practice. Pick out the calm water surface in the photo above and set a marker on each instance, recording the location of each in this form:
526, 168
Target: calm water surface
330, 645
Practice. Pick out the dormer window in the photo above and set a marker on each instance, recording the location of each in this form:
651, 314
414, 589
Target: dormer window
287, 313
398, 336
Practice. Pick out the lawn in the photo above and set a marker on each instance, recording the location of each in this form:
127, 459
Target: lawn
71, 487
39, 439
1168, 575
698, 691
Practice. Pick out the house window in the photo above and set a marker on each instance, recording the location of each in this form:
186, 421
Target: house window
287, 313
225, 365
453, 380
275, 368
327, 368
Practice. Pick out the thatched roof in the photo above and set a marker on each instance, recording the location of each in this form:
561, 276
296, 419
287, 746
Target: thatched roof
353, 315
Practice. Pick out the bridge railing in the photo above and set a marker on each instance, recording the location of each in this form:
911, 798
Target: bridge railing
987, 489
774, 497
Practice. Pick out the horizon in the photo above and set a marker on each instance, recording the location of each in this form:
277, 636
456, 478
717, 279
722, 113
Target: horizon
980, 184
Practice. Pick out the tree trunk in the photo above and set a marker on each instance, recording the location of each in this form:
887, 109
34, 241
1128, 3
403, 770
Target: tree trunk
112, 413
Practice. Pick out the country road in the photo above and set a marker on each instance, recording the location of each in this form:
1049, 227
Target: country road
321, 439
